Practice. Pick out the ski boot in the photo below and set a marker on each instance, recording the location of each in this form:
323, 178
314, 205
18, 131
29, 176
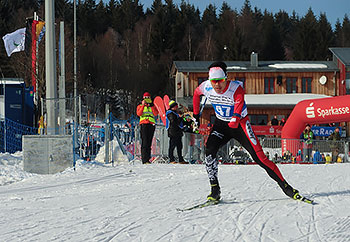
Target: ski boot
215, 193
294, 194
290, 191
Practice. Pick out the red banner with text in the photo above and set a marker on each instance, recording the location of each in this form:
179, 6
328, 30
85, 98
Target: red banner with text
267, 130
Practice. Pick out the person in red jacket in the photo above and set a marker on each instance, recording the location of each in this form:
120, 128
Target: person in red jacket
147, 113
227, 98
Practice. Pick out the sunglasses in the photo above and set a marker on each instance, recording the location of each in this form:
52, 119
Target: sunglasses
214, 81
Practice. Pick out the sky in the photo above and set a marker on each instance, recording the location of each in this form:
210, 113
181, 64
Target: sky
135, 202
333, 8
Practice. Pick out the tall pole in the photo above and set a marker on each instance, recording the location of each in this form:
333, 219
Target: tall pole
50, 58
107, 134
62, 80
36, 17
4, 107
75, 62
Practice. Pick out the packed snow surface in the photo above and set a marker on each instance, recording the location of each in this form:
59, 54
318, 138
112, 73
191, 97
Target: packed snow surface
136, 202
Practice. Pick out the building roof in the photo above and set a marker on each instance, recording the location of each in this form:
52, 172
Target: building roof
266, 100
263, 66
11, 81
279, 100
343, 54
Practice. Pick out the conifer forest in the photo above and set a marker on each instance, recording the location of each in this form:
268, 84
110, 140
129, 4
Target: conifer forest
124, 49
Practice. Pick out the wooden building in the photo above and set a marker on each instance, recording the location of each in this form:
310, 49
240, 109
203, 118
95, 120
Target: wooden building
272, 87
341, 56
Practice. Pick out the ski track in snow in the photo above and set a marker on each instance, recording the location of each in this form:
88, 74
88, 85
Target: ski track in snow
138, 203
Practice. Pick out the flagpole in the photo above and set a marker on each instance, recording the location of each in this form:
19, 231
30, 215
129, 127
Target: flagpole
4, 86
36, 17
75, 69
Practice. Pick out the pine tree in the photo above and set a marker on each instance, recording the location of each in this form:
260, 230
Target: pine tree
338, 34
186, 33
248, 25
326, 38
306, 36
209, 24
285, 28
346, 32
271, 40
128, 13
86, 19
101, 18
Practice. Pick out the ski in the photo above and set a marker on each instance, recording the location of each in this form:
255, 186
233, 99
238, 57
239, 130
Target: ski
200, 205
158, 102
166, 100
298, 197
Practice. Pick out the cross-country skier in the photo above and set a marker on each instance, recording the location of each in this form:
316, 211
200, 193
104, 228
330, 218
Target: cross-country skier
227, 98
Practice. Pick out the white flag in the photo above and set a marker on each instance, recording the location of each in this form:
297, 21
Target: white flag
14, 42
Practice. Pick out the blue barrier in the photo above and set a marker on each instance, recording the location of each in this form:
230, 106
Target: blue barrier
11, 135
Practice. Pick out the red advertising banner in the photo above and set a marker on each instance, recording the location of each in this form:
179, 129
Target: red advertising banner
314, 111
267, 130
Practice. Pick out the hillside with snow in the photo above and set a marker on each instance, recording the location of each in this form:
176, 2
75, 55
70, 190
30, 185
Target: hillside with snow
98, 202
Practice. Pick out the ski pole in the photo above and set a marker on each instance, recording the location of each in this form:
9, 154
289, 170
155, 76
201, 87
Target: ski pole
201, 110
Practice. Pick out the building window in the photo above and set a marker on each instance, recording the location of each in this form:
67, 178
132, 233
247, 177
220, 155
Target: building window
258, 119
201, 79
306, 84
347, 82
241, 79
269, 83
292, 85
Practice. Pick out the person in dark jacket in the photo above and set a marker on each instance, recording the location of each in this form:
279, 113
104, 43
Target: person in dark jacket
174, 126
274, 121
335, 144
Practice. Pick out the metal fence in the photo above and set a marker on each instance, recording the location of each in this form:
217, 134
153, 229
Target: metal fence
321, 151
91, 138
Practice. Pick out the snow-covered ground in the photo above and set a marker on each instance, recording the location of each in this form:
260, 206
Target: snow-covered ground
99, 202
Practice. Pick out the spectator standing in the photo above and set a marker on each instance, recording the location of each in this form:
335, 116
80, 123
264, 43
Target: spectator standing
274, 121
41, 125
334, 138
283, 121
308, 137
174, 125
190, 130
147, 113
317, 157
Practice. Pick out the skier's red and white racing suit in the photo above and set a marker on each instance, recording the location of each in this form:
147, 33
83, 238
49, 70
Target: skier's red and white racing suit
227, 104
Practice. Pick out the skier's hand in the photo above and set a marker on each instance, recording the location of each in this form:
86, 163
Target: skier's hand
234, 122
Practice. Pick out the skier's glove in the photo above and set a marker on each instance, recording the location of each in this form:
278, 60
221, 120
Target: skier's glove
234, 122
196, 117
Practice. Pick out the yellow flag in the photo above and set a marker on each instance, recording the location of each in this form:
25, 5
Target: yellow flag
39, 27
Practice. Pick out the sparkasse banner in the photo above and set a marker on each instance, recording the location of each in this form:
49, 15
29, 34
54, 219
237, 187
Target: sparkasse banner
314, 111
